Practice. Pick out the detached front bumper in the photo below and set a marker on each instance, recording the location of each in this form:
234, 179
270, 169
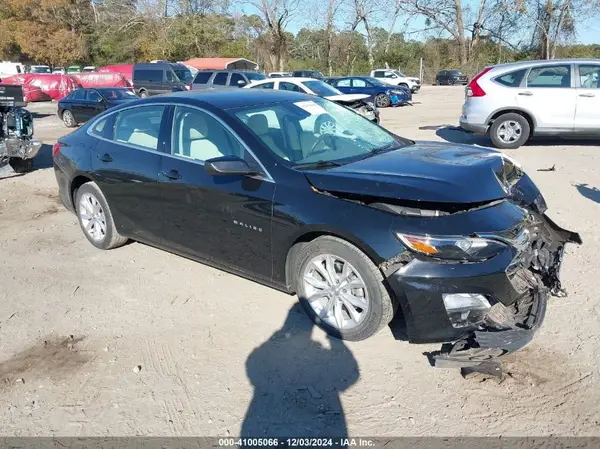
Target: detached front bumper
516, 282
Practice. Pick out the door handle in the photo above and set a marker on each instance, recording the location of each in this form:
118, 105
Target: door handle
105, 157
526, 93
589, 95
171, 174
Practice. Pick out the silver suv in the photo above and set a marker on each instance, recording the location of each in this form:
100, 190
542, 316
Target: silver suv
512, 102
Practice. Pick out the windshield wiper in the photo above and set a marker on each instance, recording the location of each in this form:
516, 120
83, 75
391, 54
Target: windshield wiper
318, 164
379, 150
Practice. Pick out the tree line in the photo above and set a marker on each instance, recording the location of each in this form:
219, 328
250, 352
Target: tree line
335, 36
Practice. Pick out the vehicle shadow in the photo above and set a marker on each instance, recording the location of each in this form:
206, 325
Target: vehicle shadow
40, 115
297, 383
455, 134
591, 193
44, 157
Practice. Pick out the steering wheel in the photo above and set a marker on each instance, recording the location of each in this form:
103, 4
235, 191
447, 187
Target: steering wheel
321, 139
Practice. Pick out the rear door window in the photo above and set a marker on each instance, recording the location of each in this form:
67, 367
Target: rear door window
379, 74
512, 79
235, 79
202, 77
139, 126
359, 83
93, 96
149, 75
343, 83
220, 78
264, 86
556, 76
589, 76
78, 95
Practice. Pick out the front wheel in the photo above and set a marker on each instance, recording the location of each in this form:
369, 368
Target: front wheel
95, 217
509, 131
341, 289
382, 101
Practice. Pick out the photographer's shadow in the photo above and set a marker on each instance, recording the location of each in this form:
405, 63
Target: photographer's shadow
297, 383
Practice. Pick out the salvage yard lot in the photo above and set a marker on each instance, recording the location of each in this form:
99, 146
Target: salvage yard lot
137, 341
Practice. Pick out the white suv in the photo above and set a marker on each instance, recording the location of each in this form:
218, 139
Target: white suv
396, 78
512, 102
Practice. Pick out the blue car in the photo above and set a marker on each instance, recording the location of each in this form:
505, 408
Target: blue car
383, 95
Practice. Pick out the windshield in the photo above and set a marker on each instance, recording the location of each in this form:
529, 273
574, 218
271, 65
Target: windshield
118, 94
253, 76
400, 74
184, 75
315, 131
41, 69
321, 88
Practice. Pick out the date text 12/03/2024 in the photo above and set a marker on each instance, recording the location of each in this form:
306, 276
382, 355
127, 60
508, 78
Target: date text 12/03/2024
296, 442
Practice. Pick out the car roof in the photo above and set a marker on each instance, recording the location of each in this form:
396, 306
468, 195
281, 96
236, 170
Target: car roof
233, 98
291, 79
542, 62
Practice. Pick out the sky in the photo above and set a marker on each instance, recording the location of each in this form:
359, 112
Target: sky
588, 32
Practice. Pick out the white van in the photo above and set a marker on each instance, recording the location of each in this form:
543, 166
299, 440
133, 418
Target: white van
8, 68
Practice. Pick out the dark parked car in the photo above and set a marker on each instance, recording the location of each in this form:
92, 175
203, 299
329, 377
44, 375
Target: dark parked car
224, 79
157, 78
308, 74
83, 104
355, 222
450, 78
382, 94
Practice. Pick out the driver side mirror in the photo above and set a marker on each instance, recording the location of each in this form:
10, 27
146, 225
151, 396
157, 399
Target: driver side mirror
241, 83
228, 165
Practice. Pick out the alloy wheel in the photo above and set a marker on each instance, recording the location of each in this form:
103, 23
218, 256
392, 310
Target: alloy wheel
92, 217
335, 291
68, 119
509, 131
327, 127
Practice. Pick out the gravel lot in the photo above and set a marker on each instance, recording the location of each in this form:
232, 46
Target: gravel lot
219, 354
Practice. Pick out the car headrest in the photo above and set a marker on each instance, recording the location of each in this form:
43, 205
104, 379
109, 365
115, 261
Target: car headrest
259, 124
195, 126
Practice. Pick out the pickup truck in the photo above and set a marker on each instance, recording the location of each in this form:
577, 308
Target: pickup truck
396, 78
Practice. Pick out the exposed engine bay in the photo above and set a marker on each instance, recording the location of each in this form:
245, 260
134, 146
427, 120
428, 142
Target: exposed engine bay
362, 107
16, 130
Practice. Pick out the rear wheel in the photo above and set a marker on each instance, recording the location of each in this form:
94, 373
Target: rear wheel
68, 119
20, 165
341, 289
509, 131
382, 101
95, 218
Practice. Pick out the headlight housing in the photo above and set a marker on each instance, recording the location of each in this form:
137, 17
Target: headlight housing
468, 249
397, 92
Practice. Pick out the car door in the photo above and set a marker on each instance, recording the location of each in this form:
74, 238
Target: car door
220, 80
587, 114
344, 85
95, 103
549, 95
78, 105
156, 81
223, 219
125, 165
237, 80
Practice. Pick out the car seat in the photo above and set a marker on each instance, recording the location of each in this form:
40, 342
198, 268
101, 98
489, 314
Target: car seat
259, 124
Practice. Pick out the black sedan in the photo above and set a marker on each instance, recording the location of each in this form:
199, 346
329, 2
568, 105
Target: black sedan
356, 221
83, 104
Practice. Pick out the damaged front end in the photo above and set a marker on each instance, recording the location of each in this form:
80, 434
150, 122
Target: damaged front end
534, 273
365, 108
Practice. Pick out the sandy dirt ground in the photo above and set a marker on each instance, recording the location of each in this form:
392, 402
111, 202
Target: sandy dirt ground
136, 341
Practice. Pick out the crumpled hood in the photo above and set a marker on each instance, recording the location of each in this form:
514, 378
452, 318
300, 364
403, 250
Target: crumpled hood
426, 171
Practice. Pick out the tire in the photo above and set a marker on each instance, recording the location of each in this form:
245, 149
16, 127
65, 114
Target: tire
93, 196
382, 101
379, 309
512, 121
20, 165
143, 94
68, 119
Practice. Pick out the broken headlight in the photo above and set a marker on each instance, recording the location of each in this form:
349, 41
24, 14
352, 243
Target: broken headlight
453, 248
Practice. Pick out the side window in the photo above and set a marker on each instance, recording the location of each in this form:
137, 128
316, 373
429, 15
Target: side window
139, 126
79, 94
199, 136
589, 76
220, 78
284, 85
556, 76
512, 79
235, 80
379, 74
169, 76
202, 77
390, 75
98, 128
343, 83
93, 96
264, 86
358, 83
